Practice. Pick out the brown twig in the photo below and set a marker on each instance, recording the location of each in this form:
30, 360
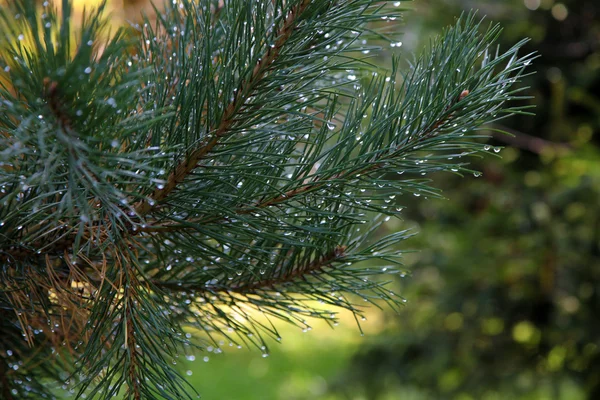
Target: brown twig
308, 186
448, 117
261, 285
53, 96
130, 344
186, 166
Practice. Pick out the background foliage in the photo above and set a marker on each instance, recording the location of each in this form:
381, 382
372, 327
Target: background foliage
507, 291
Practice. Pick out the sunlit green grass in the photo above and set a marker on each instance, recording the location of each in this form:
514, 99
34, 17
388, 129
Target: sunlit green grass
299, 367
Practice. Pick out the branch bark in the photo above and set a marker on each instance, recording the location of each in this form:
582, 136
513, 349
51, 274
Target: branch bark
267, 284
186, 166
311, 185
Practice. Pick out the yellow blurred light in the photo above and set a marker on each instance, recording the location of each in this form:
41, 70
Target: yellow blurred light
556, 358
532, 4
450, 380
454, 321
570, 304
526, 332
560, 11
548, 154
541, 212
509, 155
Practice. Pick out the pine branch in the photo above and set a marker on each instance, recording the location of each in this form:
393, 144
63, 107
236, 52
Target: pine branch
280, 279
317, 183
245, 159
185, 167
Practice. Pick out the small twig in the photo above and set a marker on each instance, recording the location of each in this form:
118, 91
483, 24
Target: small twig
309, 186
130, 344
53, 98
186, 166
268, 284
448, 117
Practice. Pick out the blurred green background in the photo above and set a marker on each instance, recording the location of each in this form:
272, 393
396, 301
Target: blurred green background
504, 293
